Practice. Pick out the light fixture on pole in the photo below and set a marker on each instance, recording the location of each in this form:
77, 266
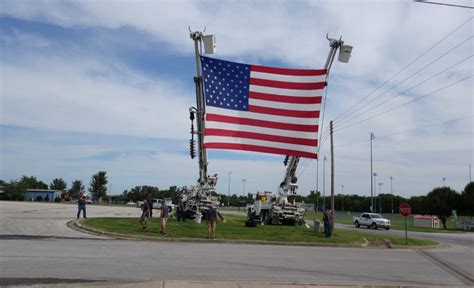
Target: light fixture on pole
228, 190
444, 180
243, 187
380, 200
391, 190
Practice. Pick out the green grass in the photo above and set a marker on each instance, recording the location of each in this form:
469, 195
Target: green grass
397, 221
234, 229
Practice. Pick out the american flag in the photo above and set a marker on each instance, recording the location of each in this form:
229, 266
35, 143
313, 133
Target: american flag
262, 109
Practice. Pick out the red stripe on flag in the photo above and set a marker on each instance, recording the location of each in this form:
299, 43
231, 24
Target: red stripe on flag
256, 148
259, 136
287, 85
261, 123
285, 99
291, 72
284, 112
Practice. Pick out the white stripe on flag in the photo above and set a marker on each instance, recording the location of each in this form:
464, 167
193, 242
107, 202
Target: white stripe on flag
287, 78
262, 130
286, 92
282, 105
259, 116
234, 140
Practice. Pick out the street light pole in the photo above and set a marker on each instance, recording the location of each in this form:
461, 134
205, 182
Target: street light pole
228, 191
243, 188
342, 196
391, 190
380, 201
372, 209
372, 137
444, 180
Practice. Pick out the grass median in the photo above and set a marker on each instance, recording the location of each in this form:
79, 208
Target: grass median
234, 229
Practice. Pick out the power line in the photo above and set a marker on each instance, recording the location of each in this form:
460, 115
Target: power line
403, 68
406, 103
404, 91
444, 4
409, 130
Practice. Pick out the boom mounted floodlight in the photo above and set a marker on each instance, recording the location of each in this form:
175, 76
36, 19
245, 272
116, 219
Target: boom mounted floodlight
209, 44
344, 53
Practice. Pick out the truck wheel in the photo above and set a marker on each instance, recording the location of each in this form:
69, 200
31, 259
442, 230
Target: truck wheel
387, 228
357, 224
374, 226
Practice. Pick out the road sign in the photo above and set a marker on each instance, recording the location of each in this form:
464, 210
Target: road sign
405, 209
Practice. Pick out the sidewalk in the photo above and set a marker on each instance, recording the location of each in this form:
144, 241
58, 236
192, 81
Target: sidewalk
216, 284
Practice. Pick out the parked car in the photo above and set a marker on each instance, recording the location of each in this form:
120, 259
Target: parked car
371, 220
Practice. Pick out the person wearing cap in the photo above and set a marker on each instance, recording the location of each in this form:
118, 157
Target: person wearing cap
211, 219
81, 205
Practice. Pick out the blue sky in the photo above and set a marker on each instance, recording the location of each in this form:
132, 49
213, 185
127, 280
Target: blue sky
106, 85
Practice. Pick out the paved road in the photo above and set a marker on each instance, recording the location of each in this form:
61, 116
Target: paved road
28, 253
465, 239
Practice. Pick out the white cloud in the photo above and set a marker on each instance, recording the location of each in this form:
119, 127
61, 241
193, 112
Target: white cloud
86, 93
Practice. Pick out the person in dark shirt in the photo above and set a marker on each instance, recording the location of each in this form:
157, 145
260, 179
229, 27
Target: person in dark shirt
180, 211
328, 220
145, 216
211, 219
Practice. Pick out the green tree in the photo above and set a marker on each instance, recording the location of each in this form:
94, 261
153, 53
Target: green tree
467, 198
30, 182
440, 201
76, 187
98, 185
58, 184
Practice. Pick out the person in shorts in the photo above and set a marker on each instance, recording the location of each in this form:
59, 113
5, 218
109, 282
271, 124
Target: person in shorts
163, 218
145, 215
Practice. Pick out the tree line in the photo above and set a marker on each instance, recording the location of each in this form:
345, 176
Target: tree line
439, 201
16, 189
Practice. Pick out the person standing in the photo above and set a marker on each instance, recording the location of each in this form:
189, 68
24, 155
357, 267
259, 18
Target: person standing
149, 201
180, 211
211, 219
145, 216
328, 220
163, 218
81, 205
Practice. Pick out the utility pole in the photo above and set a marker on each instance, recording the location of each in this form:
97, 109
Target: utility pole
228, 191
342, 196
331, 130
324, 183
372, 137
374, 203
391, 190
380, 199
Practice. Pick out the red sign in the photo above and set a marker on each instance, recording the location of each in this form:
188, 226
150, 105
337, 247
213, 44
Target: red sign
405, 209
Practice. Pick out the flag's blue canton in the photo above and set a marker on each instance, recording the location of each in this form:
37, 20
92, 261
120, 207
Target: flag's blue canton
226, 84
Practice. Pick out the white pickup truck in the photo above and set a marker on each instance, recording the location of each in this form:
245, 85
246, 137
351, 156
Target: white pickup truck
371, 220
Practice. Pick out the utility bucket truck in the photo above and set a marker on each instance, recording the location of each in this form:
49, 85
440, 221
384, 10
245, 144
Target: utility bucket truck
276, 209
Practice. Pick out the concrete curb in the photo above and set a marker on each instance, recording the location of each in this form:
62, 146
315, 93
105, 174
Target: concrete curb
75, 224
220, 284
